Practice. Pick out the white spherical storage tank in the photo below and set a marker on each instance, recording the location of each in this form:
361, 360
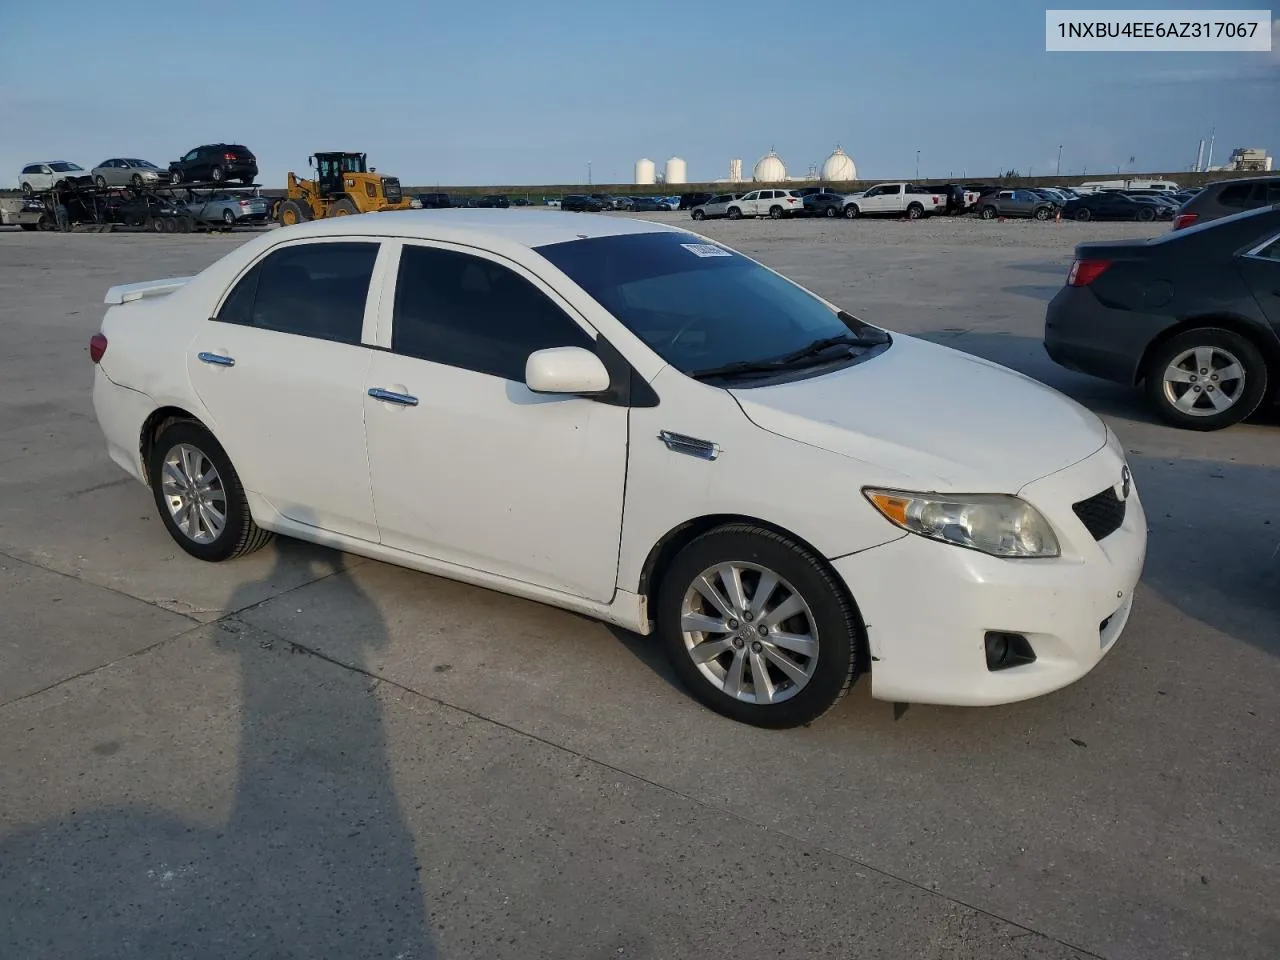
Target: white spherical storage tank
839, 166
676, 171
769, 169
646, 172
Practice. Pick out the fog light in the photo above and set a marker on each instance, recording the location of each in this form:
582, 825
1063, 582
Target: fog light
1005, 650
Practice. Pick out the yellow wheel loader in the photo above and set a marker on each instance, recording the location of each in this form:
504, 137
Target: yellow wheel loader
343, 185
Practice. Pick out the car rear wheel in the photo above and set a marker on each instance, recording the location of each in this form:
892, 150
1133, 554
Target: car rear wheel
228, 218
775, 213
1206, 379
101, 182
698, 215
988, 212
26, 190
175, 176
757, 628
1083, 214
199, 495
215, 173
915, 211
830, 212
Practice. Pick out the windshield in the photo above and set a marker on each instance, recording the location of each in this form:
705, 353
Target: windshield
64, 167
697, 305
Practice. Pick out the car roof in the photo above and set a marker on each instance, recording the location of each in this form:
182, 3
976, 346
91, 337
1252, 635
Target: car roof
528, 228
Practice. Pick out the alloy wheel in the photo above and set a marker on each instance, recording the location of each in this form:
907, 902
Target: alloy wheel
194, 494
1204, 381
749, 632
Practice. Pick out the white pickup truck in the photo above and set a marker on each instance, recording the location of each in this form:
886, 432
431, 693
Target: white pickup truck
900, 199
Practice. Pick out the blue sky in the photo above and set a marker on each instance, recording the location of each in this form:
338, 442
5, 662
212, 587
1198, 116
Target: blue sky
514, 92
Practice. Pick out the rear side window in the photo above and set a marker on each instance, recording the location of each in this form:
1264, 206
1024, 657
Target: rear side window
312, 290
1236, 195
468, 312
1271, 192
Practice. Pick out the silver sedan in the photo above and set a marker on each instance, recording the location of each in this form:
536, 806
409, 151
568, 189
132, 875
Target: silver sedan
128, 171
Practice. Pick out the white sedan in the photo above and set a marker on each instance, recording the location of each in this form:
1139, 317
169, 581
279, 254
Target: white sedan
633, 422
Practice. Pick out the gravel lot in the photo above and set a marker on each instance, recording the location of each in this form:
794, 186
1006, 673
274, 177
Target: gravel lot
309, 754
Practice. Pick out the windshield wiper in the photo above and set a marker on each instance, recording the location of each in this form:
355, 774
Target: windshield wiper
808, 352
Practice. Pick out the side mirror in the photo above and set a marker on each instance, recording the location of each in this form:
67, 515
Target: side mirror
565, 370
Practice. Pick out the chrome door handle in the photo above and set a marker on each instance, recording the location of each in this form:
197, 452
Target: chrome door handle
217, 359
390, 397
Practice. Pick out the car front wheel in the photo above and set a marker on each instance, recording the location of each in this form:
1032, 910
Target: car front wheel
735, 213
199, 495
851, 212
698, 215
757, 628
1206, 379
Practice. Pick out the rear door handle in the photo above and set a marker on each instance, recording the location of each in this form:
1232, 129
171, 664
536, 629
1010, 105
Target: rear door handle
404, 399
217, 359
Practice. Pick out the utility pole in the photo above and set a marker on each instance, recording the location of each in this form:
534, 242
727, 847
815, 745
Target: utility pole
1209, 162
588, 173
917, 164
1058, 172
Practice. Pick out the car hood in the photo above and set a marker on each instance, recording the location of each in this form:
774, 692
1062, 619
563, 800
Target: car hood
934, 417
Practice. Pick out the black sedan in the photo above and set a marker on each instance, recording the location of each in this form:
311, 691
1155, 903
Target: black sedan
824, 204
581, 204
647, 205
1193, 314
1107, 206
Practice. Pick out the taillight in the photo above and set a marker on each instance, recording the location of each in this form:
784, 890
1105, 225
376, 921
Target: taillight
228, 156
1185, 220
97, 347
1084, 272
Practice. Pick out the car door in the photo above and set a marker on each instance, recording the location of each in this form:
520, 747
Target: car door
1260, 268
468, 465
749, 203
43, 180
281, 370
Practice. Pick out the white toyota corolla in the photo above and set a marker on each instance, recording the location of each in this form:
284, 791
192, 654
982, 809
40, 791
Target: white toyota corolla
637, 423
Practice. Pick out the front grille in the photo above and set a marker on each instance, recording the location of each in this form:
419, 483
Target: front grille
391, 189
1101, 514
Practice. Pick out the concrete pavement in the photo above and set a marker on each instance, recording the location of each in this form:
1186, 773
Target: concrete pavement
307, 754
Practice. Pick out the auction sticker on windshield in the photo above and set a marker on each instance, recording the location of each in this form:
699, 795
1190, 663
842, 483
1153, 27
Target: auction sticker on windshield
706, 250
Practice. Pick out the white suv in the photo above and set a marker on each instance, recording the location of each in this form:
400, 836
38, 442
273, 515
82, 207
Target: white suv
766, 203
45, 176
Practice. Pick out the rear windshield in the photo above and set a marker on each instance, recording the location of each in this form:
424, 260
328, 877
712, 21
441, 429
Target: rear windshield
696, 304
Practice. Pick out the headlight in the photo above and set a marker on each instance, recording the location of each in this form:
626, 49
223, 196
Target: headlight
1000, 525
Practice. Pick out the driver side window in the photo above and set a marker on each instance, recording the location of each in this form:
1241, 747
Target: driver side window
469, 312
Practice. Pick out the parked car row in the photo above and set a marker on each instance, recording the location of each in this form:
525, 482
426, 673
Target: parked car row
208, 163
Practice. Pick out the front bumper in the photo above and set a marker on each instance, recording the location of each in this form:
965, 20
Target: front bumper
927, 606
1082, 334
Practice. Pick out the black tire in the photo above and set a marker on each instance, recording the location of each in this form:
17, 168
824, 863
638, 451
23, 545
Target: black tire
830, 212
915, 211
137, 181
988, 212
175, 176
100, 181
851, 212
185, 225
342, 207
215, 173
240, 535
26, 190
29, 226
735, 213
169, 224
228, 218
775, 213
155, 225
1084, 215
839, 630
699, 215
1245, 353
1146, 214
1043, 213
